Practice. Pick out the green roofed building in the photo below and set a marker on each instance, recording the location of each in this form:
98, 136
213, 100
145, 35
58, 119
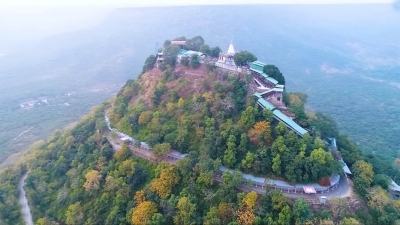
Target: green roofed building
270, 96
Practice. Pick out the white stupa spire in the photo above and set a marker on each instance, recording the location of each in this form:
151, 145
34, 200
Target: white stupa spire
231, 49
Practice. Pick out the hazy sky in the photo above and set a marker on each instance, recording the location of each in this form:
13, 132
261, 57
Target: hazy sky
119, 3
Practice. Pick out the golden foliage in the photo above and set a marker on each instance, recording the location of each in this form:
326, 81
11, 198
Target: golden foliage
181, 102
225, 212
208, 96
139, 197
250, 199
143, 213
170, 106
257, 130
145, 117
295, 100
93, 178
245, 216
163, 185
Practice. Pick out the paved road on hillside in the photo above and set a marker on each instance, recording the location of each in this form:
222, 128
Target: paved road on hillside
342, 189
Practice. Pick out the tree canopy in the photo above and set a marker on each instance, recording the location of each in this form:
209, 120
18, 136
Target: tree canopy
243, 58
274, 72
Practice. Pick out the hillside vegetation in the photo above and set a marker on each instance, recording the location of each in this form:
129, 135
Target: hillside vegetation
76, 177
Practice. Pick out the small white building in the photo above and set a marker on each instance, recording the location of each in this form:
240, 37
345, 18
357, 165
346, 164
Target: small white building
225, 59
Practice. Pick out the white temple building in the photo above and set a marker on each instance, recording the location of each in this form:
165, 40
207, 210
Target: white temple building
225, 59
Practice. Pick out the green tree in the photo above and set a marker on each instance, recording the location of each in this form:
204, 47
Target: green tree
205, 49
348, 150
280, 129
349, 221
274, 72
185, 61
243, 58
321, 164
74, 214
318, 143
268, 115
363, 176
276, 164
167, 43
285, 216
243, 145
381, 180
326, 126
186, 212
301, 211
212, 217
248, 117
149, 63
157, 219
215, 51
124, 153
170, 53
160, 150
278, 200
195, 43
127, 168
247, 162
383, 209
194, 61
230, 152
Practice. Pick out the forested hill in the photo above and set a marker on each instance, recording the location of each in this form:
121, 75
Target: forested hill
82, 176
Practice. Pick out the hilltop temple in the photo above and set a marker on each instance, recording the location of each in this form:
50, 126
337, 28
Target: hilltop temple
225, 59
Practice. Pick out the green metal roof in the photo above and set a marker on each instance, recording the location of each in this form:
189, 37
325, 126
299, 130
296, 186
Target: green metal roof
265, 104
272, 80
256, 70
264, 75
278, 89
257, 65
259, 95
289, 122
280, 86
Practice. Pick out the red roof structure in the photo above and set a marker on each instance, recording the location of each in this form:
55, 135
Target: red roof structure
309, 190
181, 43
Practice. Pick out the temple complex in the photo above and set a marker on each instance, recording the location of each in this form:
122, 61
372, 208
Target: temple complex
270, 96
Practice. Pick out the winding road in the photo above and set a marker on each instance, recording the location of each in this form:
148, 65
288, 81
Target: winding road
23, 201
340, 190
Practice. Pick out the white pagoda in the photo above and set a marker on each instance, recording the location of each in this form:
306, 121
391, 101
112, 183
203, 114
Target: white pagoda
225, 59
